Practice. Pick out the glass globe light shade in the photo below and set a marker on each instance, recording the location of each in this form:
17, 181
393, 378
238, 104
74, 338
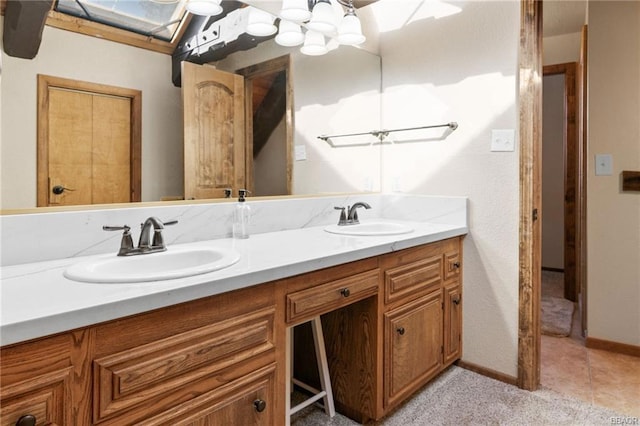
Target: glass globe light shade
350, 30
313, 44
323, 18
204, 7
260, 23
295, 10
289, 34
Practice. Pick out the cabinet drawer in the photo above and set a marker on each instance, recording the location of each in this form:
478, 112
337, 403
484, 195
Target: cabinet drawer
44, 397
326, 297
452, 264
145, 375
415, 278
248, 400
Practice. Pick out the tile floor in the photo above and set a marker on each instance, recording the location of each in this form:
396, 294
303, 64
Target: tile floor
598, 377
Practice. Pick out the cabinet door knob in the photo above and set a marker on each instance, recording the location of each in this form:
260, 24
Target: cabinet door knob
456, 265
400, 330
259, 405
26, 420
456, 300
345, 292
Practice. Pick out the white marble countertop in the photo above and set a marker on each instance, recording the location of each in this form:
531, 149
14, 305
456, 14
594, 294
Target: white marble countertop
37, 300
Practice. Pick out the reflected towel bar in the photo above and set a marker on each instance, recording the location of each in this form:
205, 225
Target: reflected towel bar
381, 134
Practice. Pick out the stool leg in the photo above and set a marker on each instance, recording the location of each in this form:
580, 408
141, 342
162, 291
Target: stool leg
323, 366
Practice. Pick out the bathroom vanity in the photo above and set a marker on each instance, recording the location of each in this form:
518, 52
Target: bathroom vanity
391, 310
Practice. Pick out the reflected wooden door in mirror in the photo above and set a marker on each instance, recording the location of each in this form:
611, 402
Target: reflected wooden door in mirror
213, 131
88, 143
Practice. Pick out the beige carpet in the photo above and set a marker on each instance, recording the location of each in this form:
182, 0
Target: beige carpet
461, 397
557, 316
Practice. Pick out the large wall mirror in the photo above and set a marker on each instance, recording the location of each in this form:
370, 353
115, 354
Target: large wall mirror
332, 94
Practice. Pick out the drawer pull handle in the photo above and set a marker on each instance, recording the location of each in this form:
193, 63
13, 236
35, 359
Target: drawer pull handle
400, 331
345, 292
259, 405
456, 300
26, 420
456, 265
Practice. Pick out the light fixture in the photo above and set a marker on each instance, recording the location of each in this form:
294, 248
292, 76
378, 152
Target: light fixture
204, 7
350, 29
295, 10
321, 22
260, 23
323, 18
314, 44
289, 34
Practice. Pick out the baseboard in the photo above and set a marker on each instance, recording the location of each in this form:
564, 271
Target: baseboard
606, 345
488, 372
544, 268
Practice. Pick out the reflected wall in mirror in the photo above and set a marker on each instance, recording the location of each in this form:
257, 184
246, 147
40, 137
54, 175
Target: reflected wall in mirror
339, 92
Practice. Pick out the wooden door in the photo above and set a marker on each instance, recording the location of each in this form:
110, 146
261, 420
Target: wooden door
214, 145
413, 347
88, 143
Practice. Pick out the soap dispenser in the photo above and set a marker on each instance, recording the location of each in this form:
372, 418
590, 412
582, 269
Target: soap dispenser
241, 216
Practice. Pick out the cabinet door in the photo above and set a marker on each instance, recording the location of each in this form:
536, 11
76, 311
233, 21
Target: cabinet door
246, 401
452, 322
413, 347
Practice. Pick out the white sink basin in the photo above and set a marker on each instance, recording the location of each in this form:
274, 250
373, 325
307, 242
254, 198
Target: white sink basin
370, 228
176, 262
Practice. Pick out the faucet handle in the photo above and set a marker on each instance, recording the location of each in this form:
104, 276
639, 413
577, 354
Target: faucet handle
124, 228
158, 239
343, 215
126, 244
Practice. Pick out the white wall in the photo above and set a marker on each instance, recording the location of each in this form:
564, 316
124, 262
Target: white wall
75, 56
333, 94
560, 49
553, 171
462, 67
613, 217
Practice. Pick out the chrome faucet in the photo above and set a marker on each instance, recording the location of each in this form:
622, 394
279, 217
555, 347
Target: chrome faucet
148, 243
351, 215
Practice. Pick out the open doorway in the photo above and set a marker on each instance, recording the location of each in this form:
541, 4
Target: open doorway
560, 175
560, 281
269, 127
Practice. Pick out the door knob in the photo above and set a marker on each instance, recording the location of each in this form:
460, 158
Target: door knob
59, 189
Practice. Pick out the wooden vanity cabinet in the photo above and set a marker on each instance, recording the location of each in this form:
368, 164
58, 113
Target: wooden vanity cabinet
209, 361
401, 329
391, 324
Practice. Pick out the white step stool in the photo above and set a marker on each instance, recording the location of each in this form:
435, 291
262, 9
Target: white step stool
325, 392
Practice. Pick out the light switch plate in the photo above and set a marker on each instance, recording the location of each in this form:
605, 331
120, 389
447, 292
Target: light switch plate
300, 152
503, 140
604, 165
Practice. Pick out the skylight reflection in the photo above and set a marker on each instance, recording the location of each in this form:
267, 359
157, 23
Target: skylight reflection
154, 18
